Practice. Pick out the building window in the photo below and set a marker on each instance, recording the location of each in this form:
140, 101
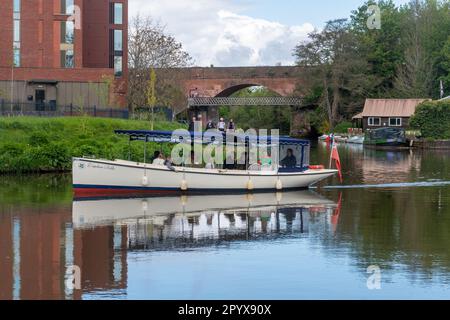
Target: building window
395, 122
116, 52
67, 59
67, 44
67, 7
16, 30
118, 42
16, 33
118, 66
16, 57
16, 6
374, 122
67, 32
117, 13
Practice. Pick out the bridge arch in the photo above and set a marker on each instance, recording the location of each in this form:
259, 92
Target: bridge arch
228, 92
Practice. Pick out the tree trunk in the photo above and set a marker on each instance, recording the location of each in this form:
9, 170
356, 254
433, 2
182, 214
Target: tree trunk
327, 100
335, 104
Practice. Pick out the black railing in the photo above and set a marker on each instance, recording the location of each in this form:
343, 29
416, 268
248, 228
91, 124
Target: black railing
52, 110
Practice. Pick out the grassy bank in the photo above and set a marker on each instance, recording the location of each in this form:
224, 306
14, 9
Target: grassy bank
31, 145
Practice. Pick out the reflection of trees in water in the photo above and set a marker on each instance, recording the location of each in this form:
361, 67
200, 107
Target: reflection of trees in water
215, 228
373, 166
402, 228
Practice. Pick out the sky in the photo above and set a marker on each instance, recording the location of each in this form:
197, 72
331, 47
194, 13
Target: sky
227, 33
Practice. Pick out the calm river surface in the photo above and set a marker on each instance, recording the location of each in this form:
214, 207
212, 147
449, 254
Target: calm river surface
393, 213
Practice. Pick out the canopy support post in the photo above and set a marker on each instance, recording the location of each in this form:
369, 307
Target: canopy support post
302, 164
145, 150
129, 149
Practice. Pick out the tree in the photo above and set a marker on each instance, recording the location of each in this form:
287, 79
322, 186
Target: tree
426, 29
414, 75
445, 66
151, 47
335, 63
381, 48
151, 95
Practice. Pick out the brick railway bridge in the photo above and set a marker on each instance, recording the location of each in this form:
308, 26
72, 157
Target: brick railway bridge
206, 89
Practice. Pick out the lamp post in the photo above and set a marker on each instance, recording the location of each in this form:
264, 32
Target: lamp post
12, 84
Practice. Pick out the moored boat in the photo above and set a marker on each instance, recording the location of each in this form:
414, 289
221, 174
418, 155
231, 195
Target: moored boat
356, 140
94, 177
386, 137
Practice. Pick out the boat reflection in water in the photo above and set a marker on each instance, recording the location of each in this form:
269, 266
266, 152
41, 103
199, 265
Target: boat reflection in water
162, 223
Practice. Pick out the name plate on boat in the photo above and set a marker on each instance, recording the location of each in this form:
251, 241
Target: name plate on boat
99, 166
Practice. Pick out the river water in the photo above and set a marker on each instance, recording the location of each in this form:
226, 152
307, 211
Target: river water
391, 217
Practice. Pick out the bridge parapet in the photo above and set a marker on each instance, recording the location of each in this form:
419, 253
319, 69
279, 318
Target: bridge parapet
250, 101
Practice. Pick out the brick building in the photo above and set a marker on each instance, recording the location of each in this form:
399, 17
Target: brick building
61, 52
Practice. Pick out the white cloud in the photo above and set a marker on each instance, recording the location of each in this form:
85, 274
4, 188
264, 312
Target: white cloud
214, 32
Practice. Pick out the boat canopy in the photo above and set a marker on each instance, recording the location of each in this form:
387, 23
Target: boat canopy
168, 137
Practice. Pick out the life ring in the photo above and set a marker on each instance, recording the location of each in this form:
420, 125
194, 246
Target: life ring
317, 167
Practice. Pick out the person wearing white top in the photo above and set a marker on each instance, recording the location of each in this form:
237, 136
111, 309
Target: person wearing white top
159, 160
222, 125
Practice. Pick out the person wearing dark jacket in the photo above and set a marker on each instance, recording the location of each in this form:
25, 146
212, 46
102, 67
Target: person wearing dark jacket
210, 125
290, 161
231, 126
192, 124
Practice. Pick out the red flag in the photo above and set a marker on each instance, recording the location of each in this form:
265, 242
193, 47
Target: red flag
337, 161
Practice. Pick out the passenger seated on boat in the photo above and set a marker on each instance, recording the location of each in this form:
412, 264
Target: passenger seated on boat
155, 156
160, 161
290, 161
169, 164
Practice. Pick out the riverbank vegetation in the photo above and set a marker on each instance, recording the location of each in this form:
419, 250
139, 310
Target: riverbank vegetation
402, 53
30, 145
432, 118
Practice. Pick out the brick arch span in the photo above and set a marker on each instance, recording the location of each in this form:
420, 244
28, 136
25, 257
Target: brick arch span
226, 87
213, 82
233, 89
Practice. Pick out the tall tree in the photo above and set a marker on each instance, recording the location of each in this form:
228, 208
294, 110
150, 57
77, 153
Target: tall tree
151, 96
336, 65
380, 47
445, 67
426, 29
150, 46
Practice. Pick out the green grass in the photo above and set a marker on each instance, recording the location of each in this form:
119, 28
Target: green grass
31, 145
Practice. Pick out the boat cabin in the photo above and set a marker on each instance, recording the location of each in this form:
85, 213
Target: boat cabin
282, 154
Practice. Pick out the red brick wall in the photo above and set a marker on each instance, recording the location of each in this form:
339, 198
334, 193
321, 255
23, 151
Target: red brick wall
96, 34
40, 43
6, 29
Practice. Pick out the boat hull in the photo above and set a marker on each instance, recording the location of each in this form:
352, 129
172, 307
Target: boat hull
98, 178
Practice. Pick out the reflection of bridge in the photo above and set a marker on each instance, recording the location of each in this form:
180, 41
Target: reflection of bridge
250, 101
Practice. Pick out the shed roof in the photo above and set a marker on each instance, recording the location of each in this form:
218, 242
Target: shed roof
391, 107
358, 116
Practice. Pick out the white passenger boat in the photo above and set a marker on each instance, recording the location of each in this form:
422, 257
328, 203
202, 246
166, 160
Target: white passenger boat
93, 177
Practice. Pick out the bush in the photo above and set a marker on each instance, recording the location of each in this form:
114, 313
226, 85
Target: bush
343, 127
432, 118
30, 145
